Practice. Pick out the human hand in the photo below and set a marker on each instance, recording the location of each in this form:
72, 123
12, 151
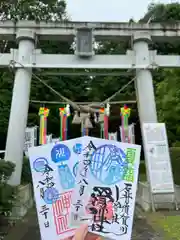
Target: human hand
82, 233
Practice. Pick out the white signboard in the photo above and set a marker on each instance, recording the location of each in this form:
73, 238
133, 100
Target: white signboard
30, 138
112, 172
158, 158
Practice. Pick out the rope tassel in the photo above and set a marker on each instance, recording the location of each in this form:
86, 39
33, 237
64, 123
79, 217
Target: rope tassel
125, 114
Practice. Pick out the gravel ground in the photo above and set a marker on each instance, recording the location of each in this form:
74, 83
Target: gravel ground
28, 229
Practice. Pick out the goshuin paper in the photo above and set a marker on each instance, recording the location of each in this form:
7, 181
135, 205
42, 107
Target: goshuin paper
54, 169
105, 189
85, 179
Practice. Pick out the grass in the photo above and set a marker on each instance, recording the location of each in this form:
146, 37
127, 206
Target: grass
169, 225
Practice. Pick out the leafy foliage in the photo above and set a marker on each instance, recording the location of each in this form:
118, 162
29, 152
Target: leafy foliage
168, 102
7, 192
175, 158
34, 10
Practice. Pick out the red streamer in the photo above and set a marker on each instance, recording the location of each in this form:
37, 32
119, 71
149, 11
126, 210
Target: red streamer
64, 127
106, 126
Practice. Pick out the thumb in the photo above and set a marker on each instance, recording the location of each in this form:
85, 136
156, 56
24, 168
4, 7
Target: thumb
81, 232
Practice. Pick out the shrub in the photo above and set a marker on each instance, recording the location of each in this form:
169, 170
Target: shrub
176, 144
6, 170
175, 161
7, 192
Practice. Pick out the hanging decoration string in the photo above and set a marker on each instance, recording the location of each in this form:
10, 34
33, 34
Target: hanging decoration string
43, 113
125, 114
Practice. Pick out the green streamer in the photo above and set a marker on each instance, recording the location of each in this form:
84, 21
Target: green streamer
102, 130
61, 127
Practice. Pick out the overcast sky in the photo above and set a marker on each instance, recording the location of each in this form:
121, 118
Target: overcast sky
108, 10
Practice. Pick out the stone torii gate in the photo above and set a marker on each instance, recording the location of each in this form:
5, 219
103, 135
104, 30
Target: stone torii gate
26, 57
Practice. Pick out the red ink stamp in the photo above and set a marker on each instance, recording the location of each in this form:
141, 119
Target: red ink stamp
61, 212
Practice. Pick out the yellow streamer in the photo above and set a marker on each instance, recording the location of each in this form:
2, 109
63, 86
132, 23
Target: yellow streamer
43, 113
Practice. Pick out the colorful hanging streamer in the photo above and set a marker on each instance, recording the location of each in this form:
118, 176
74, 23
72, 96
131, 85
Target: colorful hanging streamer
101, 111
106, 121
125, 114
43, 113
64, 113
61, 114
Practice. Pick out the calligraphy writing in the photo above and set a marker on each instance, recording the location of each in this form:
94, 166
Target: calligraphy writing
78, 204
82, 178
46, 183
121, 208
109, 207
101, 207
130, 158
44, 211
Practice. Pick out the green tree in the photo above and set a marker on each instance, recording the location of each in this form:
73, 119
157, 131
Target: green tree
34, 10
168, 102
164, 14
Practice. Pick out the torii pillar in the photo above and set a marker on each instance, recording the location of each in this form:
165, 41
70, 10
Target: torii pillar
144, 82
20, 105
